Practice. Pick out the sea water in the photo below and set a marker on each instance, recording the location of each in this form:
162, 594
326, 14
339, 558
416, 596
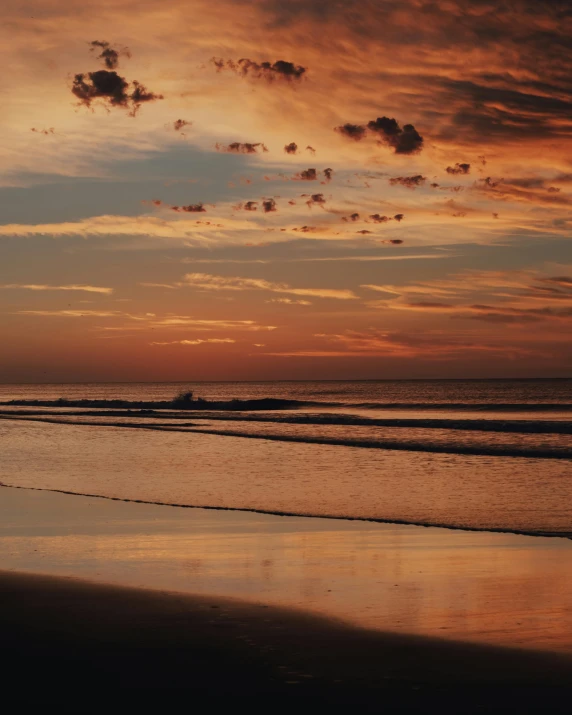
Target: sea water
477, 454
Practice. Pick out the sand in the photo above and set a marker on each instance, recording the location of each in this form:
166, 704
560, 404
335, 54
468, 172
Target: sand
270, 613
82, 646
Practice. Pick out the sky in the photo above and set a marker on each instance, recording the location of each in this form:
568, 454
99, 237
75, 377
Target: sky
262, 190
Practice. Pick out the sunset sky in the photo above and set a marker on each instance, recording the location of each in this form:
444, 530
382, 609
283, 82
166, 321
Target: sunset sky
271, 189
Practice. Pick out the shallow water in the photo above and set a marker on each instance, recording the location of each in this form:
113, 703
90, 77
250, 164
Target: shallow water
475, 492
478, 454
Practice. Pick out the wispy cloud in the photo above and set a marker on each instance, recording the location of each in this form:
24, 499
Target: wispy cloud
39, 287
430, 345
289, 301
201, 324
317, 259
198, 341
73, 313
146, 321
490, 296
208, 281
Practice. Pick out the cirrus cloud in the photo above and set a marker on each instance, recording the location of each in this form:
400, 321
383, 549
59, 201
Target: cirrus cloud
208, 281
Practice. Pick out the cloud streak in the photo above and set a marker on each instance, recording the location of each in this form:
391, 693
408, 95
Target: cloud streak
208, 281
198, 341
41, 287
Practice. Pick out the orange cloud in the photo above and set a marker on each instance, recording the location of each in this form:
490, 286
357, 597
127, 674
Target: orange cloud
39, 287
213, 282
198, 341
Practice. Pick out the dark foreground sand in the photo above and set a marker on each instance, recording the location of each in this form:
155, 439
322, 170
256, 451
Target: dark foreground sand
83, 647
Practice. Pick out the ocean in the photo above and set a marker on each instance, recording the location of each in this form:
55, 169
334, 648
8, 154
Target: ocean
490, 455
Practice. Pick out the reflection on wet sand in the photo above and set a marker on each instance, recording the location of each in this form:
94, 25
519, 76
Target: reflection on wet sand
490, 588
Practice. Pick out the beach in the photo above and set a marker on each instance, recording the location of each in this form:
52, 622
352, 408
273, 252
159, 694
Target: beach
138, 598
285, 378
361, 550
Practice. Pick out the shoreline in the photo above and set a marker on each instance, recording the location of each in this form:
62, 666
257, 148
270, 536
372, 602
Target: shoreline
301, 515
483, 588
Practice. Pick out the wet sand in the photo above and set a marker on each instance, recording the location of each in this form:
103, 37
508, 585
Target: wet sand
82, 646
495, 589
275, 612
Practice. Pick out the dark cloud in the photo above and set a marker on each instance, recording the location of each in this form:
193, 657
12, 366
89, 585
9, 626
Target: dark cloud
310, 149
352, 131
491, 183
241, 147
270, 71
108, 54
306, 229
378, 218
516, 84
352, 217
191, 208
394, 241
531, 182
307, 175
108, 86
180, 124
316, 200
141, 95
515, 111
268, 205
328, 173
291, 148
46, 132
410, 182
458, 169
112, 89
364, 231
562, 281
406, 140
531, 190
494, 314
246, 206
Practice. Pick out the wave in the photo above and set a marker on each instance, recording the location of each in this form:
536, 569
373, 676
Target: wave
179, 403
275, 512
493, 450
270, 403
466, 406
482, 425
332, 418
